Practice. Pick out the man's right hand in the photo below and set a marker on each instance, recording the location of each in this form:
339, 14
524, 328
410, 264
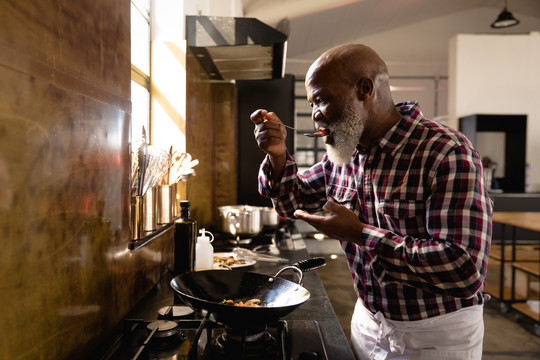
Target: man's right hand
269, 132
270, 135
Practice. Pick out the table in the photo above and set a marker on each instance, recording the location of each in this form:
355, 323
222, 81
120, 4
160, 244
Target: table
529, 220
524, 220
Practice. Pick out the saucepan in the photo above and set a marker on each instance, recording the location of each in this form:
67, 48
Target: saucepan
204, 292
246, 219
240, 220
269, 217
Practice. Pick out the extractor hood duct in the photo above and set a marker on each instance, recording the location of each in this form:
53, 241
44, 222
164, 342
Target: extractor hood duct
232, 48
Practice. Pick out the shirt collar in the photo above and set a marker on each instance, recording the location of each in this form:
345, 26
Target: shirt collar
401, 131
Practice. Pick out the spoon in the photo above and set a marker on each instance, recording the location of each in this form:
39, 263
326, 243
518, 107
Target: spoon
317, 134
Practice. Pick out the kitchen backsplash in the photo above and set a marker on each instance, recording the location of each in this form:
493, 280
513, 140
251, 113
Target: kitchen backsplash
66, 274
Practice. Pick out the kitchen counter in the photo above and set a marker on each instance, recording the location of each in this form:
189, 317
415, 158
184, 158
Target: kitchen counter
318, 307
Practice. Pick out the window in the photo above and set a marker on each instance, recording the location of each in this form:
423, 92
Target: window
140, 68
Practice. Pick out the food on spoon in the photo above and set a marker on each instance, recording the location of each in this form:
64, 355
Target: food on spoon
322, 131
248, 303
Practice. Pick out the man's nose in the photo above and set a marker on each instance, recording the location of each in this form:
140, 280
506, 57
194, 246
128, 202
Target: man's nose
316, 115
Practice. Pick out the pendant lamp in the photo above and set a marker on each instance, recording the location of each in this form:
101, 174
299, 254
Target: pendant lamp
505, 19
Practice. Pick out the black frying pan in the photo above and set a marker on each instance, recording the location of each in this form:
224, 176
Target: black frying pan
204, 291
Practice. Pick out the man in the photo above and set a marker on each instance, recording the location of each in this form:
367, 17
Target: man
406, 198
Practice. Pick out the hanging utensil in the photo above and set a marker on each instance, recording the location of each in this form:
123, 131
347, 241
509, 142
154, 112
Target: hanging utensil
176, 167
156, 165
142, 169
186, 171
135, 158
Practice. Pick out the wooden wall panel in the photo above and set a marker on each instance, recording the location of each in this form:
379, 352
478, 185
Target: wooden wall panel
226, 144
89, 40
66, 274
211, 138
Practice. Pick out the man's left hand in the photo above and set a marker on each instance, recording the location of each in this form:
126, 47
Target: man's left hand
341, 223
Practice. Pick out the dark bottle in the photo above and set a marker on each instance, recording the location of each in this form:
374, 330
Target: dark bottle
185, 237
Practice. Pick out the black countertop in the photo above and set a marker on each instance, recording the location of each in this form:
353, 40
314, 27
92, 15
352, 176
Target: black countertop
318, 307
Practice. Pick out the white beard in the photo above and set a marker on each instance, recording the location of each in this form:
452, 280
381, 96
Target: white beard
346, 134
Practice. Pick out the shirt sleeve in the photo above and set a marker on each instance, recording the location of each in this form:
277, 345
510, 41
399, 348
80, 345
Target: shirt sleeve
452, 260
305, 191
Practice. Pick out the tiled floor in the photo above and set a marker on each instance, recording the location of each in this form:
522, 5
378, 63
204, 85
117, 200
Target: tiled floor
504, 337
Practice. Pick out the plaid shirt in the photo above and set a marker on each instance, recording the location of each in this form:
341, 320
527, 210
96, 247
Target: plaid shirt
420, 191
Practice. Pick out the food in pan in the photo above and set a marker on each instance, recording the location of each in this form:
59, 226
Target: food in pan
248, 303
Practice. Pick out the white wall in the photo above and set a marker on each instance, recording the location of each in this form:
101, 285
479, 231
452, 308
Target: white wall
213, 7
498, 74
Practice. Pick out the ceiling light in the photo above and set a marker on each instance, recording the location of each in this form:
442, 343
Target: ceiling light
505, 19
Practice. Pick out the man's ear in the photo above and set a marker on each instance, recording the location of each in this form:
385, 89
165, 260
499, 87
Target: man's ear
364, 88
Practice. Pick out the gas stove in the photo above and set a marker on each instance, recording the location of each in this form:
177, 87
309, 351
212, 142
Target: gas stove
167, 337
161, 326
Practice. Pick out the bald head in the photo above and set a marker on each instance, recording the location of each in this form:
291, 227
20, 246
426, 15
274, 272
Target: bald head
350, 63
353, 77
354, 67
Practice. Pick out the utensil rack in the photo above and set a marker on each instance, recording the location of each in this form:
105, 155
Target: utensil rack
135, 244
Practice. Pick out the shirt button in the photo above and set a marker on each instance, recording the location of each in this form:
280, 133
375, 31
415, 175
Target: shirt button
368, 198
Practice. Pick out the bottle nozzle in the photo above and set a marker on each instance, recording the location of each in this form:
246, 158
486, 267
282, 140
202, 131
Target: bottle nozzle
203, 236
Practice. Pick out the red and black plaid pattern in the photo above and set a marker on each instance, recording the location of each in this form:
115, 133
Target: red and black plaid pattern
420, 192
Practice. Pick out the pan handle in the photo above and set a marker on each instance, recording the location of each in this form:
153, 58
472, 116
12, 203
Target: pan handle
303, 266
292, 267
310, 264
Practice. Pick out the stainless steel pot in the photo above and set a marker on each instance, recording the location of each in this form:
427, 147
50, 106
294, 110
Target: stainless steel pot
269, 217
240, 219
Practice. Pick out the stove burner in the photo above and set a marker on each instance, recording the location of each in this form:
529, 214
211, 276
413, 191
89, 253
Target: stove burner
241, 241
247, 335
197, 339
260, 345
174, 311
163, 328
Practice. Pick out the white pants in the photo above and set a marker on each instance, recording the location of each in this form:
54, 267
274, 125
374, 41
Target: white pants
454, 336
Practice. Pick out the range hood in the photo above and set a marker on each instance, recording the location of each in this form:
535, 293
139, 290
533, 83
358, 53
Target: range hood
233, 48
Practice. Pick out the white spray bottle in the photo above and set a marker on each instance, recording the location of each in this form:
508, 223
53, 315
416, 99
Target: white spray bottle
204, 251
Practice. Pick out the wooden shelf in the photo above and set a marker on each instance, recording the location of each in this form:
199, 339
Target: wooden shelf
526, 310
531, 268
493, 290
523, 252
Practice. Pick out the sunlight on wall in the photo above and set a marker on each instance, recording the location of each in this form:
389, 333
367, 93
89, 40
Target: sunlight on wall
168, 103
168, 99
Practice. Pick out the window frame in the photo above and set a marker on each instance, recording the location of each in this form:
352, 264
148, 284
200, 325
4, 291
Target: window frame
139, 76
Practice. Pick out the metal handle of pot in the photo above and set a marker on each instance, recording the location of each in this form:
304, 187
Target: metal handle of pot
303, 266
292, 267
